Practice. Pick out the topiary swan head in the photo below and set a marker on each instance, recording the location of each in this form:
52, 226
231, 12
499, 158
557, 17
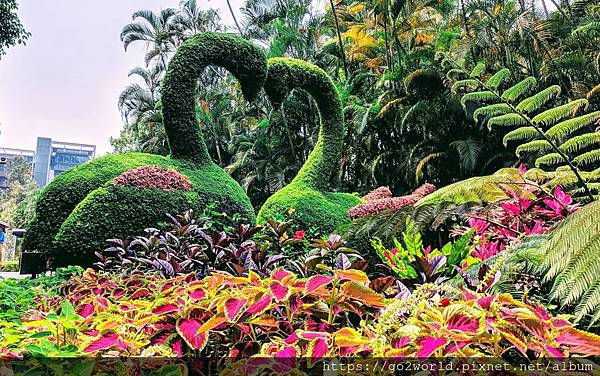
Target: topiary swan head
308, 195
240, 57
81, 208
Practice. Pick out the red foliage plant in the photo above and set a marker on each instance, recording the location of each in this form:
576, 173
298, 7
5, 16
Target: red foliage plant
154, 177
506, 222
381, 199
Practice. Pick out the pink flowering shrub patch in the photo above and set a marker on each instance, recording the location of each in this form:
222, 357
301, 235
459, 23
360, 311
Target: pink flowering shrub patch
378, 194
154, 177
381, 199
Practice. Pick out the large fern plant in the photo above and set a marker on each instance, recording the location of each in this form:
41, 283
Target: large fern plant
559, 137
572, 263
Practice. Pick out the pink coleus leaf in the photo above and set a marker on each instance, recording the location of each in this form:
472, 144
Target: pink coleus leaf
139, 294
311, 335
260, 305
105, 342
317, 281
176, 346
279, 274
278, 290
86, 310
554, 352
579, 342
165, 308
463, 323
317, 349
400, 342
286, 353
188, 330
486, 302
428, 345
198, 294
233, 308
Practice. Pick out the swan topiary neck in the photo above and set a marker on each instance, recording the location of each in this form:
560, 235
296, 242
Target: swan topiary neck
240, 57
287, 74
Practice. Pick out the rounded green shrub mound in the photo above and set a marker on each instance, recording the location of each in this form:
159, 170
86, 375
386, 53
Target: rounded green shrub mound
189, 155
115, 211
308, 194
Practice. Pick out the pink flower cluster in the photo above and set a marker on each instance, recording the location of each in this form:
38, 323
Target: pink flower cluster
381, 199
154, 177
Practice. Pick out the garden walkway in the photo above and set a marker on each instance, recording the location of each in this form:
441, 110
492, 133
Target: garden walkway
13, 275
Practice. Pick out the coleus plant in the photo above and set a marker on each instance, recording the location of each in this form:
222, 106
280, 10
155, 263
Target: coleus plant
277, 321
138, 315
409, 259
438, 321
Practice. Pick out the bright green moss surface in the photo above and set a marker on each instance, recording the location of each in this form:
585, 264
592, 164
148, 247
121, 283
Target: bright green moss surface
310, 208
308, 193
115, 212
189, 153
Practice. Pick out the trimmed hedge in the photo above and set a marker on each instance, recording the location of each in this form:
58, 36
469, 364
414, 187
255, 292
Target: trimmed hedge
115, 212
190, 156
307, 193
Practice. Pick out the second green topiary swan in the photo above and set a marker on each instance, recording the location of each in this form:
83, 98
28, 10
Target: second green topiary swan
307, 200
81, 207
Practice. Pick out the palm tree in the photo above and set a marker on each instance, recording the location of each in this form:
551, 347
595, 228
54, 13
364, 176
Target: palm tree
137, 101
192, 20
156, 31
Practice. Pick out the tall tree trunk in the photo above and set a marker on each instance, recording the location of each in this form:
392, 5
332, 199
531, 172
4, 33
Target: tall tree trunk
545, 8
234, 18
339, 35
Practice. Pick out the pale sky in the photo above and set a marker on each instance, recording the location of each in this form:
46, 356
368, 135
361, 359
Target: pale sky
65, 82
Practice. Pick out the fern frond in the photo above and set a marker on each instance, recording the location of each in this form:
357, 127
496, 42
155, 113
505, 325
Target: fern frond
538, 100
583, 141
549, 160
456, 74
479, 189
491, 110
509, 120
571, 235
521, 89
478, 97
589, 303
567, 127
536, 174
494, 82
594, 95
588, 158
593, 187
537, 146
467, 85
556, 114
523, 133
565, 178
568, 286
478, 70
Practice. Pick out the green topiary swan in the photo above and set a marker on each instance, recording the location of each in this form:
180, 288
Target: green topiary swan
307, 199
61, 227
